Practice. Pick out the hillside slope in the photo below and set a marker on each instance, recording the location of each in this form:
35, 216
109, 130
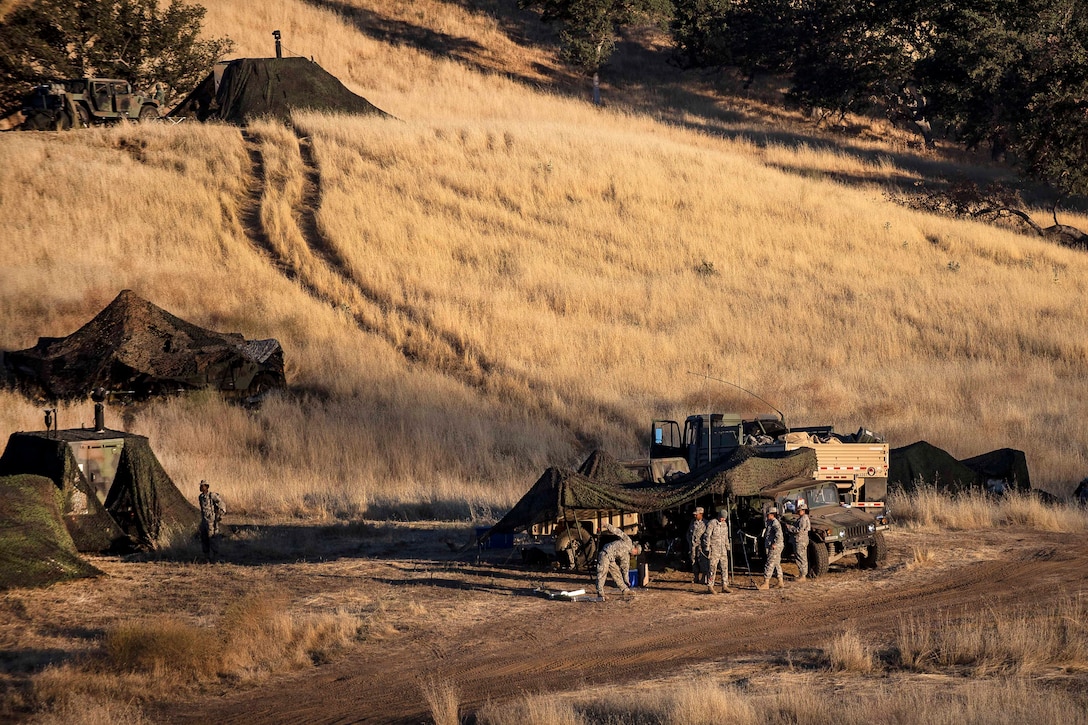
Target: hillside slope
505, 277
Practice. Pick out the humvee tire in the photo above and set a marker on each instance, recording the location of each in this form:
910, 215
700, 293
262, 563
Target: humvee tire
877, 553
148, 113
84, 116
818, 559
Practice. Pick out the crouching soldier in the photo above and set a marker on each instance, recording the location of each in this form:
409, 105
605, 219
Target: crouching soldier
716, 547
615, 559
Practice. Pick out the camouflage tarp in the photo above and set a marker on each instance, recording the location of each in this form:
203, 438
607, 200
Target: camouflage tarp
35, 547
250, 88
559, 492
49, 455
996, 471
141, 503
930, 465
1001, 470
133, 345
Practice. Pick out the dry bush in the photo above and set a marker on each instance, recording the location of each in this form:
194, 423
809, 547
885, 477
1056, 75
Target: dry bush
998, 641
91, 709
706, 702
444, 700
921, 556
257, 635
534, 709
848, 652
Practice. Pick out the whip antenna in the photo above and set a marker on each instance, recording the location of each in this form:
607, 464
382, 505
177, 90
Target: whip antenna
781, 415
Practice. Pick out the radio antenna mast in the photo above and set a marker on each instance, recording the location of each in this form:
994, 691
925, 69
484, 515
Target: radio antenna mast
708, 376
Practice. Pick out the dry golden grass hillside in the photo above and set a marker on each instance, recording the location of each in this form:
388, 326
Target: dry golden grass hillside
504, 276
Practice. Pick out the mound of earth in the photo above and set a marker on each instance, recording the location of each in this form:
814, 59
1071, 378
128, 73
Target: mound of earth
133, 346
35, 547
249, 88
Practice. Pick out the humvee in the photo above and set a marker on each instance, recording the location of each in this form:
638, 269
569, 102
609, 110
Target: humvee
78, 103
838, 530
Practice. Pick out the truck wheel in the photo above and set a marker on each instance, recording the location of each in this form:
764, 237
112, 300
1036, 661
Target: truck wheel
84, 116
877, 553
148, 113
818, 559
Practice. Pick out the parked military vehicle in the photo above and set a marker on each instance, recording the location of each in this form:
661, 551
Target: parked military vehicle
838, 531
857, 464
79, 103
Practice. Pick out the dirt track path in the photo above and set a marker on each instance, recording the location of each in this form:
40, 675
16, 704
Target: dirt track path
503, 645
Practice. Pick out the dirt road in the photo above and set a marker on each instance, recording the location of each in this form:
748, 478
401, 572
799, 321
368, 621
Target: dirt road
485, 630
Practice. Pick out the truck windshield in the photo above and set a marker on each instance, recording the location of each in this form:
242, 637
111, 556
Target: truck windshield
823, 496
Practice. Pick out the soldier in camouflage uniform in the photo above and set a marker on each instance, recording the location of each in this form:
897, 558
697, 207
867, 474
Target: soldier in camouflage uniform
615, 559
773, 543
716, 546
695, 547
211, 513
800, 540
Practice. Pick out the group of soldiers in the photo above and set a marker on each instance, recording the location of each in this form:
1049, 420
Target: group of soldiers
709, 545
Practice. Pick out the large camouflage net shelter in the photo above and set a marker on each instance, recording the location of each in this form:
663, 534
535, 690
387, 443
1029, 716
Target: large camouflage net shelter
926, 464
249, 88
133, 346
601, 484
141, 501
35, 546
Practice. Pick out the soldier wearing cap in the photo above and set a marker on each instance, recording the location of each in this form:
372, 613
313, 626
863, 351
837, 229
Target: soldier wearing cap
211, 513
615, 559
716, 546
800, 539
773, 543
695, 547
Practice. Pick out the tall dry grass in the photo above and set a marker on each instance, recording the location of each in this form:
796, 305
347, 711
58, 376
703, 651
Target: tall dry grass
1052, 634
927, 508
505, 279
799, 699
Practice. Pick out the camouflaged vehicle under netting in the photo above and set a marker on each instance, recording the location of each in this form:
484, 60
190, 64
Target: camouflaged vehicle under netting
134, 348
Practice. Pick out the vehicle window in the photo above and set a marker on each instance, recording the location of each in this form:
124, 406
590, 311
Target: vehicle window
825, 496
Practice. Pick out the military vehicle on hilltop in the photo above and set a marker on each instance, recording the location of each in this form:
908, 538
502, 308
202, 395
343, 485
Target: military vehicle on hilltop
78, 103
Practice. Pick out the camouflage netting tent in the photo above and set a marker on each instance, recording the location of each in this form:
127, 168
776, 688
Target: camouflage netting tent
249, 88
559, 492
134, 346
142, 502
35, 547
44, 454
1002, 470
922, 462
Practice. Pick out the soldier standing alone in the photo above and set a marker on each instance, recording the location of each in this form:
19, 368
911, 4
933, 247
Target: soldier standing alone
695, 547
800, 541
615, 559
211, 513
716, 545
773, 543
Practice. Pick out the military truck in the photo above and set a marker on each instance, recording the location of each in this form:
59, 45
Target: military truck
857, 464
63, 104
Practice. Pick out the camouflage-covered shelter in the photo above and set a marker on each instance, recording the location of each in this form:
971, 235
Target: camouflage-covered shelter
921, 462
600, 485
35, 546
114, 493
134, 346
247, 88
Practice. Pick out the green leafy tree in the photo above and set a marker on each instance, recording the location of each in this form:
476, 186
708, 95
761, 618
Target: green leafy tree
589, 28
138, 40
